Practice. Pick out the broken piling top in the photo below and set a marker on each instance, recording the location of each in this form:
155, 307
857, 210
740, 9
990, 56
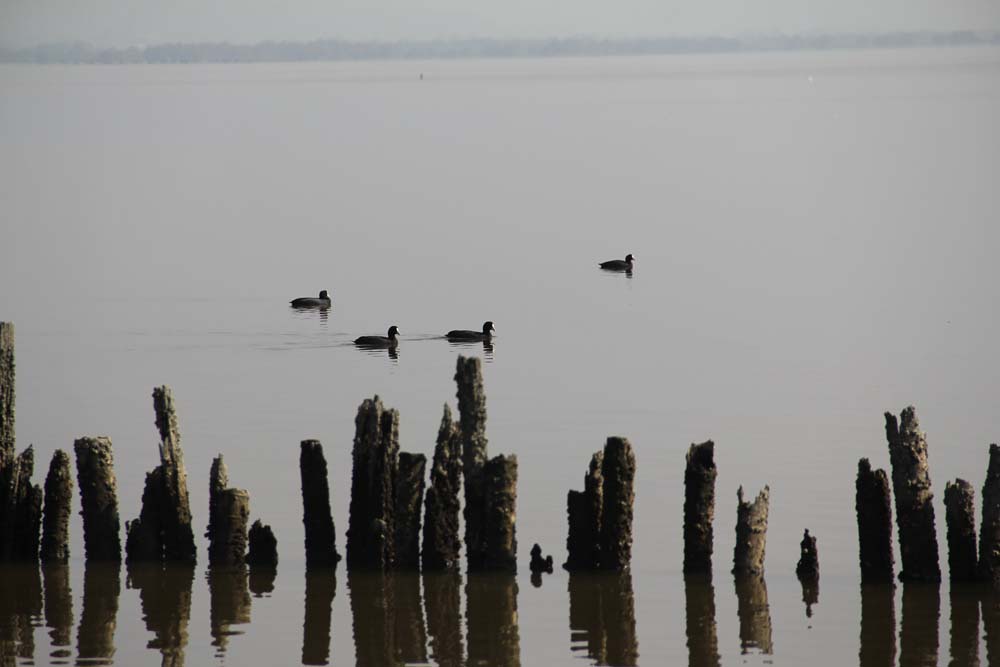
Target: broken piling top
170, 515
58, 507
166, 424
699, 507
911, 483
808, 565
442, 505
873, 504
472, 413
960, 516
320, 533
989, 532
229, 512
618, 472
751, 533
95, 470
7, 376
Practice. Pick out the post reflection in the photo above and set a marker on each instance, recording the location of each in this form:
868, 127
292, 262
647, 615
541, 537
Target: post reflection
602, 617
443, 604
878, 625
229, 604
991, 624
165, 596
754, 613
321, 586
95, 638
702, 638
810, 593
493, 636
262, 580
20, 603
918, 633
964, 602
388, 618
58, 610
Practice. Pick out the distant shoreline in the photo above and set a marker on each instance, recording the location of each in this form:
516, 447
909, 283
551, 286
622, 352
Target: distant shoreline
332, 50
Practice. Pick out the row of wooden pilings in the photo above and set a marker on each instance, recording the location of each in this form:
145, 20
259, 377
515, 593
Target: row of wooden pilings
385, 530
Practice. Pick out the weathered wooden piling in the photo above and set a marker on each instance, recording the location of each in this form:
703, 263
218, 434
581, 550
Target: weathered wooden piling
371, 526
163, 531
808, 565
409, 500
95, 476
751, 533
911, 484
873, 505
584, 509
20, 501
754, 613
229, 511
699, 508
960, 513
989, 531
500, 525
58, 506
441, 526
320, 541
618, 473
472, 423
263, 546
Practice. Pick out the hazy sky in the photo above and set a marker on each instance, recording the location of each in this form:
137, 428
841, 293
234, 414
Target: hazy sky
128, 22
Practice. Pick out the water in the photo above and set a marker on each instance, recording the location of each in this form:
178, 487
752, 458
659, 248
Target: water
814, 236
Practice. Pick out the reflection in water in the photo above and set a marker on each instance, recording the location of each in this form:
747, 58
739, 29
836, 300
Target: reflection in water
602, 617
230, 603
58, 609
754, 613
321, 586
443, 602
165, 594
388, 618
20, 610
918, 633
463, 347
491, 619
810, 593
964, 600
262, 579
309, 312
991, 623
702, 640
95, 638
878, 625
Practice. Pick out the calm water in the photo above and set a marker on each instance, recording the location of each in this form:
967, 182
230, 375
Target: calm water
815, 238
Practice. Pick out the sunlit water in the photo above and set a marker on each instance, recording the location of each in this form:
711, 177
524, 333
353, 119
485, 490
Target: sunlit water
815, 238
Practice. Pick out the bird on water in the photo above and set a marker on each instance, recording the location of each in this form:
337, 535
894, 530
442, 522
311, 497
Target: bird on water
619, 265
322, 301
388, 340
465, 334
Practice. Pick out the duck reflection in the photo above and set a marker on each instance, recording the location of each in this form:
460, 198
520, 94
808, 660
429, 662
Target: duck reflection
20, 604
262, 579
95, 638
58, 610
918, 633
491, 619
229, 603
165, 595
463, 346
388, 618
602, 617
754, 613
878, 625
964, 602
443, 604
321, 586
702, 640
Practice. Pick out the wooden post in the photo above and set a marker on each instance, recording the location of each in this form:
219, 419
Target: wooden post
989, 531
371, 526
58, 501
7, 377
618, 472
699, 508
500, 526
441, 525
95, 473
409, 500
229, 511
911, 483
960, 513
472, 422
320, 541
873, 505
263, 546
584, 511
751, 534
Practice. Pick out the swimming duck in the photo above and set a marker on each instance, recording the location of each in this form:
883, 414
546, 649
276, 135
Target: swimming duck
389, 340
619, 265
323, 301
464, 334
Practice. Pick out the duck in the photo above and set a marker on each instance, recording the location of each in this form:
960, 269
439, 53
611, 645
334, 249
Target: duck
464, 334
322, 301
389, 340
619, 265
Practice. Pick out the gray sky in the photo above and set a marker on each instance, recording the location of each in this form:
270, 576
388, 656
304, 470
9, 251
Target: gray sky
128, 22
